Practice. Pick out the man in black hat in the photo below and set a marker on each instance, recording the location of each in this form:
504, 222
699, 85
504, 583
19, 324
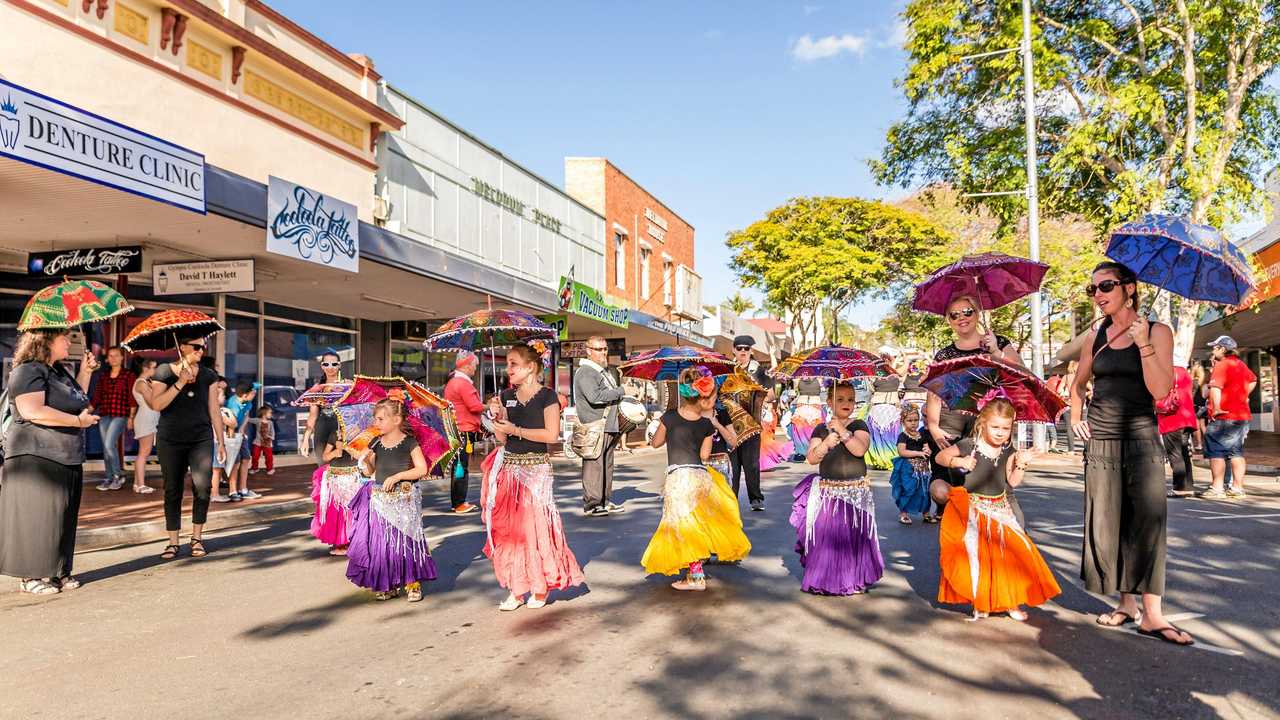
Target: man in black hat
745, 458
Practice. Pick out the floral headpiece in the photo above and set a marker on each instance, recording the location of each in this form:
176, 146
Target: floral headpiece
704, 386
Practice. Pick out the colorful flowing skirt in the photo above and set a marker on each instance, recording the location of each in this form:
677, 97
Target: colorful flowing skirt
332, 489
525, 538
910, 484
774, 451
987, 560
803, 420
388, 549
835, 522
699, 519
885, 423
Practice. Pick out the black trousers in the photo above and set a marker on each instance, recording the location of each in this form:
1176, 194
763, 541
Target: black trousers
745, 460
1177, 450
458, 486
176, 460
597, 475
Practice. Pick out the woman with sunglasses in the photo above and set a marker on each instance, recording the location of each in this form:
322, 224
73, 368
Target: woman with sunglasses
946, 426
1130, 361
188, 438
331, 482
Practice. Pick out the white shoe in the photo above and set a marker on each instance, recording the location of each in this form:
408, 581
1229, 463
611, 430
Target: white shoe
219, 498
511, 603
272, 471
104, 485
117, 484
535, 603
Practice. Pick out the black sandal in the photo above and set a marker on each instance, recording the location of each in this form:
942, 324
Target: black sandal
1112, 616
170, 552
1159, 634
197, 548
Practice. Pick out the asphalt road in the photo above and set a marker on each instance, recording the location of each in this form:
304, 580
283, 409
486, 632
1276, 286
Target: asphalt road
267, 626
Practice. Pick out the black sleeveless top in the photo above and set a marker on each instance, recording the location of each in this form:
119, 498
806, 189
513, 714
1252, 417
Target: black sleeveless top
528, 416
839, 463
1121, 407
685, 437
889, 383
327, 432
988, 477
391, 460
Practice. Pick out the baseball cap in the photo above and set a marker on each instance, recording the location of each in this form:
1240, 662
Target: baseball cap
1226, 342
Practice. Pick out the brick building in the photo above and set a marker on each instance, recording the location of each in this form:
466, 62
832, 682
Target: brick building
649, 249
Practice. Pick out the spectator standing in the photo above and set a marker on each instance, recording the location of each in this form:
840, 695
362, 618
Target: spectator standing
1229, 388
1200, 394
145, 423
461, 391
596, 396
263, 440
1176, 418
113, 402
240, 404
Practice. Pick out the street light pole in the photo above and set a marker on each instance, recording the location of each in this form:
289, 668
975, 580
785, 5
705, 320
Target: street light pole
1033, 202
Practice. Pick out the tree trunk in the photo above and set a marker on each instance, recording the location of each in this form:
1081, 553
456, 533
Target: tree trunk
1184, 337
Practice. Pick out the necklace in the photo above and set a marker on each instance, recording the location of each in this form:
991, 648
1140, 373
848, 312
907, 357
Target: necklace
398, 442
987, 450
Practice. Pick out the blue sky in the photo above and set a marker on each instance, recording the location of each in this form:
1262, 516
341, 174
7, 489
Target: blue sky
723, 110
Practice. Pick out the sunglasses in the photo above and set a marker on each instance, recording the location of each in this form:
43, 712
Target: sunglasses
599, 349
742, 348
330, 364
1105, 286
196, 346
957, 314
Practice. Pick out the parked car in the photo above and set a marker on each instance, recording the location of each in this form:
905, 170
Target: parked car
285, 416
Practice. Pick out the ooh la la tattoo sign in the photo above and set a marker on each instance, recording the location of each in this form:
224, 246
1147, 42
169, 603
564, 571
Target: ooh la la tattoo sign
308, 225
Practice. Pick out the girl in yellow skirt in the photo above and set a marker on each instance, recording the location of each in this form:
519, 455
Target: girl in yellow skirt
699, 511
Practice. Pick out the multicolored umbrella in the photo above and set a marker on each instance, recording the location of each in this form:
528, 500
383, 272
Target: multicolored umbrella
667, 362
163, 330
995, 279
967, 384
430, 415
323, 394
489, 329
833, 361
1190, 260
72, 303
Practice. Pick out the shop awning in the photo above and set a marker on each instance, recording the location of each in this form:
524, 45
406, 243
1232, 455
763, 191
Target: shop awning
1255, 328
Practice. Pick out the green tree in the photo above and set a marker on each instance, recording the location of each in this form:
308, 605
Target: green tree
740, 304
1144, 105
817, 254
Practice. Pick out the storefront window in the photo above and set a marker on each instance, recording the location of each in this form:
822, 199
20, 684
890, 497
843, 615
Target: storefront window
11, 307
291, 353
241, 338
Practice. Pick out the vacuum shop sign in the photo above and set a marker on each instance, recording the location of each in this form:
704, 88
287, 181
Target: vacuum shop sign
307, 225
51, 134
586, 301
86, 261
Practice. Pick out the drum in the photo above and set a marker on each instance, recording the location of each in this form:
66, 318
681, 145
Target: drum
744, 426
633, 411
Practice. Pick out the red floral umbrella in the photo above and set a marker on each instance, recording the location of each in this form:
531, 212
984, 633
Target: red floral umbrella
995, 279
967, 384
164, 329
667, 362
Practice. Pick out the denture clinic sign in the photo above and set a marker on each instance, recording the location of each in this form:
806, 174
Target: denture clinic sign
307, 225
51, 134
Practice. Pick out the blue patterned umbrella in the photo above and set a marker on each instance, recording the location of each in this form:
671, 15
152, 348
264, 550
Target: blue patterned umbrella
1190, 260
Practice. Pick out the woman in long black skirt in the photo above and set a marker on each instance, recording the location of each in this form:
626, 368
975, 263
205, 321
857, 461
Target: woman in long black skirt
1130, 362
43, 459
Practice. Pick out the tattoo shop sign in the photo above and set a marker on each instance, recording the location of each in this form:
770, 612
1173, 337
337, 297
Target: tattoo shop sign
308, 225
86, 261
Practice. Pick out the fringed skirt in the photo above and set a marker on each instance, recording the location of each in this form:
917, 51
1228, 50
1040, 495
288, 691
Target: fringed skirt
803, 421
525, 538
388, 549
885, 423
987, 560
699, 519
910, 484
332, 489
774, 451
835, 522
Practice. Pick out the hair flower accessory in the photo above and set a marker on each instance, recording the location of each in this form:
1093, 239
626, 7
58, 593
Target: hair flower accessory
704, 386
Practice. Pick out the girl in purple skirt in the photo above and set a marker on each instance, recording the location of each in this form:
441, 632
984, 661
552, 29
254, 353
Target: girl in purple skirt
833, 512
388, 550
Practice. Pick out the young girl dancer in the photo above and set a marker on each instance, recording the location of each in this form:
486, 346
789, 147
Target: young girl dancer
910, 478
525, 537
388, 549
699, 510
833, 512
333, 486
987, 559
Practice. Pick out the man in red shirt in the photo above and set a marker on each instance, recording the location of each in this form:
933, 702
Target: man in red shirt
461, 391
1229, 388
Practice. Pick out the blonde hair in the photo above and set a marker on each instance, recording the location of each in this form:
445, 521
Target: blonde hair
973, 302
995, 408
397, 409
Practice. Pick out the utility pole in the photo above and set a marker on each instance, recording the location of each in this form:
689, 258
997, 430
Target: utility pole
1033, 203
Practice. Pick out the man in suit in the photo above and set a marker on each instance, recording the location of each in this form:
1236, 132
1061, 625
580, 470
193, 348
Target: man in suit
745, 458
596, 395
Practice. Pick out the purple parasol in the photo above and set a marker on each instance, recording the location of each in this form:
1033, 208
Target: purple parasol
995, 279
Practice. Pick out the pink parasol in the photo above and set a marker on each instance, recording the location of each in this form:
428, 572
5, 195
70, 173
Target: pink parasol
994, 279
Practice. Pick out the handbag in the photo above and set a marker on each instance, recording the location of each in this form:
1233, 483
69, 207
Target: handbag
1168, 405
587, 439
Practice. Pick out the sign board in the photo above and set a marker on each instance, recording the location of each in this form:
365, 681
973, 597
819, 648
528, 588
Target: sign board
307, 225
1268, 279
586, 301
683, 335
560, 323
51, 134
578, 348
86, 261
213, 276
300, 371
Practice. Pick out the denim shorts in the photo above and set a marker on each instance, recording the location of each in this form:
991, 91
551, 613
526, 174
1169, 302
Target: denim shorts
1224, 439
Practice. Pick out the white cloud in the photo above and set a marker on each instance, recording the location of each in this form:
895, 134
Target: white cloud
809, 49
897, 36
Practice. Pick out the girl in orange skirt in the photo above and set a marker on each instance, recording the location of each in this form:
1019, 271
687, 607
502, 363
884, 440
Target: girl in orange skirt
988, 560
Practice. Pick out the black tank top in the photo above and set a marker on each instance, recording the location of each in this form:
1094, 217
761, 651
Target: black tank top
839, 463
685, 437
988, 477
1121, 407
391, 460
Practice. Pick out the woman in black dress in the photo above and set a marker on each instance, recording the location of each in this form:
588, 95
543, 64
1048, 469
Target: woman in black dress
189, 438
43, 458
1130, 362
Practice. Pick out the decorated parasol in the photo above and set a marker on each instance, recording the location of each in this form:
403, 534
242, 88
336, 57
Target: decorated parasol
967, 384
667, 362
430, 415
833, 361
163, 330
489, 329
995, 279
1188, 259
72, 303
323, 394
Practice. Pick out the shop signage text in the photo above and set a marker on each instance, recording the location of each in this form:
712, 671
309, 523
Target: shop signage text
578, 348
560, 323
657, 225
508, 202
213, 276
588, 302
308, 225
670, 328
52, 134
86, 261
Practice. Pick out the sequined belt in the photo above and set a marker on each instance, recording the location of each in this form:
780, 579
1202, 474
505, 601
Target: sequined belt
510, 458
988, 498
844, 484
402, 488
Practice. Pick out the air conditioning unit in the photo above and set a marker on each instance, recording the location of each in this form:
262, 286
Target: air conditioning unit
688, 293
381, 209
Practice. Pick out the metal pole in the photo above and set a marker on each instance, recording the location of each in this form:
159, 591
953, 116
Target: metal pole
1033, 201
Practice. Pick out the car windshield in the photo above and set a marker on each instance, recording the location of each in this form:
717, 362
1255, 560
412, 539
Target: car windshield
279, 397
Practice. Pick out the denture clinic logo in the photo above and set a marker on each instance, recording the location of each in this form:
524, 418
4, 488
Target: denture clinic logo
10, 126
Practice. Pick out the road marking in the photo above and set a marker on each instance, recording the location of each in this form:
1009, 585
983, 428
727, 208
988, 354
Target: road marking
1225, 516
1199, 644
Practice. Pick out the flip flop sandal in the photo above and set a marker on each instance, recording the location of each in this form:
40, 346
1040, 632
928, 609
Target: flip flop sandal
68, 583
170, 552
197, 549
1112, 616
1159, 634
36, 586
904, 520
